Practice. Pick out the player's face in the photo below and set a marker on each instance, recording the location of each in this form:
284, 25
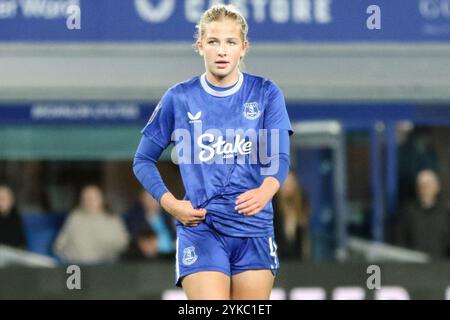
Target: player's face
222, 48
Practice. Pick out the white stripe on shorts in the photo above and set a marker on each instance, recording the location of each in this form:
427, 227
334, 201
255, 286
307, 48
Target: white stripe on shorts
177, 267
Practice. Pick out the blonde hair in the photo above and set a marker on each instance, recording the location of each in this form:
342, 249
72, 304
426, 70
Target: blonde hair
217, 13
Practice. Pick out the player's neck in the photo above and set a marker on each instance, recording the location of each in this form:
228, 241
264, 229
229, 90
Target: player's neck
224, 82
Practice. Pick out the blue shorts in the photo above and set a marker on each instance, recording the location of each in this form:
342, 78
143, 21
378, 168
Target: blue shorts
202, 248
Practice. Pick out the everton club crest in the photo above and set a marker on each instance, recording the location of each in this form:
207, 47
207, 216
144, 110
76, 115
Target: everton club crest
189, 256
251, 110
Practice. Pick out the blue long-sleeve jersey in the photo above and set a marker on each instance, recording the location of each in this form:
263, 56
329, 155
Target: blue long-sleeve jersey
226, 142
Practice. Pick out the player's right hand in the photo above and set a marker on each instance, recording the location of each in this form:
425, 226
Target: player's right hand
187, 215
182, 210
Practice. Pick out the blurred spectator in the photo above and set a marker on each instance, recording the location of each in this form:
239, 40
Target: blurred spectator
144, 247
424, 224
415, 154
147, 213
91, 234
11, 229
291, 220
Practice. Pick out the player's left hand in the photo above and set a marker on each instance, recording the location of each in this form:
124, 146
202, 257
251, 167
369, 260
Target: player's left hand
252, 201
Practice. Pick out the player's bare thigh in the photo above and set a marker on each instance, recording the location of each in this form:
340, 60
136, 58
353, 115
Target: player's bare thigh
252, 285
207, 285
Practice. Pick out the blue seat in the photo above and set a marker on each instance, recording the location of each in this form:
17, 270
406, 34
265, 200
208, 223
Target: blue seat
41, 231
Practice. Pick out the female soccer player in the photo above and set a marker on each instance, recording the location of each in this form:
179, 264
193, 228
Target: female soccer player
231, 135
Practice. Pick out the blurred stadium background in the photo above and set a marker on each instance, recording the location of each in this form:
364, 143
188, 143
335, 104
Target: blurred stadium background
370, 108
